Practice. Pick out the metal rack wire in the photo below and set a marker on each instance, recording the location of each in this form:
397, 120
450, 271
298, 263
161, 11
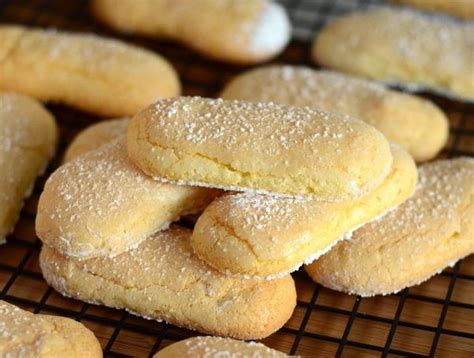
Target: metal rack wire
432, 319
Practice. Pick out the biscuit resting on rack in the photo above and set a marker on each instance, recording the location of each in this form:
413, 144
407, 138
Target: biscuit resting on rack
429, 232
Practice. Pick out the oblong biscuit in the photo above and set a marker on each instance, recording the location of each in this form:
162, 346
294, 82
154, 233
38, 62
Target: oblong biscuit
235, 31
162, 279
206, 346
25, 334
28, 136
95, 74
101, 204
461, 8
263, 236
95, 136
401, 46
416, 124
427, 233
258, 147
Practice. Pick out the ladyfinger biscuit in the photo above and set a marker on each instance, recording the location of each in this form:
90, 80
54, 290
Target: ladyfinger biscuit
461, 8
101, 204
247, 31
400, 46
95, 136
416, 124
258, 235
258, 147
162, 279
206, 346
24, 334
28, 136
97, 75
427, 233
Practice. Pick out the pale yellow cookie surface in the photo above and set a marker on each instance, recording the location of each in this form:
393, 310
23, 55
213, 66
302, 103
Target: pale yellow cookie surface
201, 347
461, 8
258, 147
416, 124
264, 236
95, 136
103, 76
427, 233
24, 334
101, 204
28, 136
400, 46
162, 279
247, 31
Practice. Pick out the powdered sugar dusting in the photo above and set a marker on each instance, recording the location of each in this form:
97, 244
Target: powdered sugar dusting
27, 142
403, 45
295, 145
304, 87
161, 279
223, 347
89, 206
411, 243
442, 186
272, 30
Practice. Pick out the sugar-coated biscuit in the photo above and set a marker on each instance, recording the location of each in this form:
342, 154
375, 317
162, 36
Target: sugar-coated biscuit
401, 46
247, 31
28, 135
207, 346
258, 147
461, 8
163, 280
95, 74
24, 334
416, 124
101, 204
95, 136
259, 235
427, 233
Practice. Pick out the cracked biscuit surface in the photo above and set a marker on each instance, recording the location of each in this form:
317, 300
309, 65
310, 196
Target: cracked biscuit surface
430, 231
28, 136
400, 46
101, 204
98, 75
416, 124
247, 31
259, 235
163, 280
261, 147
204, 347
24, 334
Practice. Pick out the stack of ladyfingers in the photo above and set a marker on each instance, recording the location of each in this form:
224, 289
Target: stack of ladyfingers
274, 187
291, 167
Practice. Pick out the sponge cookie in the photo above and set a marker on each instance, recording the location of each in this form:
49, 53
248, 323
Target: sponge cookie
416, 124
98, 75
247, 31
264, 236
101, 204
28, 136
203, 347
415, 50
461, 8
258, 147
25, 334
95, 136
162, 279
427, 233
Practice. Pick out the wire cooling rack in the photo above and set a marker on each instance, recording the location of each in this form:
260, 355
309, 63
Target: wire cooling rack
433, 319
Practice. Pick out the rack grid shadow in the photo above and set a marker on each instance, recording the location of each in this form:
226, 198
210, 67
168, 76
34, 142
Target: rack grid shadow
433, 319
